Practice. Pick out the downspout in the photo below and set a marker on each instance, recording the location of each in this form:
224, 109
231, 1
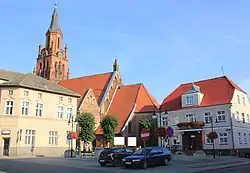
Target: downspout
232, 131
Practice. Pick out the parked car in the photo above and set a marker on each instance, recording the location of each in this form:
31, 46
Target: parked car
114, 156
149, 156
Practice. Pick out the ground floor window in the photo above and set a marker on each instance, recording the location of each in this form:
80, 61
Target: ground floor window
176, 140
30, 137
208, 141
53, 138
223, 138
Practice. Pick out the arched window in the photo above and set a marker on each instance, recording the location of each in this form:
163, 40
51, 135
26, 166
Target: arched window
58, 43
59, 67
40, 66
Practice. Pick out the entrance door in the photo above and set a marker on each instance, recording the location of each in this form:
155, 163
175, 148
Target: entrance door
192, 145
6, 146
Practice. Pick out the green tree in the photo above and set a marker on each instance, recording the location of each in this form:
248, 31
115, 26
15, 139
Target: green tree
86, 122
145, 124
109, 124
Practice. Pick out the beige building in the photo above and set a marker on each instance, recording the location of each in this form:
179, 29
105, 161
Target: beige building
34, 115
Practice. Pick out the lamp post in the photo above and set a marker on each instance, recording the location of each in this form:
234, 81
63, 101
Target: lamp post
71, 122
155, 116
212, 126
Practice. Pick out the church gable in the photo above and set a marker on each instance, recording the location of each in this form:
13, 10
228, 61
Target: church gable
90, 104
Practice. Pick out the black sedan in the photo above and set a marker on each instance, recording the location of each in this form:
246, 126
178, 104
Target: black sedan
149, 156
114, 156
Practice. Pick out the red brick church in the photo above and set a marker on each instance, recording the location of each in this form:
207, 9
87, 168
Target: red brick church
101, 94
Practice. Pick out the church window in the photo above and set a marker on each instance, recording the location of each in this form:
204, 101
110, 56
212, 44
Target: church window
40, 65
58, 44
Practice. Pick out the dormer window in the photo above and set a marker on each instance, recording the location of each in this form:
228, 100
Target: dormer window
189, 100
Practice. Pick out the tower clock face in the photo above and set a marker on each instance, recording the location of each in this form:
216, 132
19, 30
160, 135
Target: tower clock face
59, 54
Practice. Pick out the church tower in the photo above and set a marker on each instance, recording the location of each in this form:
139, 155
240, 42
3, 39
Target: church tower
52, 61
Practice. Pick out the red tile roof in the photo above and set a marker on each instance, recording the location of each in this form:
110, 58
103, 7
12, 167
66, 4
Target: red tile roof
125, 99
216, 91
98, 83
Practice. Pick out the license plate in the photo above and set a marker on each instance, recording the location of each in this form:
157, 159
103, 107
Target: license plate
128, 163
101, 160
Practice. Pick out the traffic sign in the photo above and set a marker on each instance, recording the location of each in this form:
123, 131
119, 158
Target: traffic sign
145, 135
69, 136
170, 132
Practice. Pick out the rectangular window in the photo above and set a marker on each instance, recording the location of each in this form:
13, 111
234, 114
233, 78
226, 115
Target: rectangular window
53, 137
69, 113
176, 140
130, 127
190, 118
223, 138
189, 100
238, 98
244, 101
175, 120
239, 138
165, 121
60, 99
243, 117
208, 117
209, 141
60, 111
25, 108
40, 95
248, 118
245, 138
249, 137
30, 137
9, 105
26, 93
237, 116
221, 116
70, 100
10, 92
39, 109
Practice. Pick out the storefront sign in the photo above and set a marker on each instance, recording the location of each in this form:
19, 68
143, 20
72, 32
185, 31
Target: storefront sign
5, 132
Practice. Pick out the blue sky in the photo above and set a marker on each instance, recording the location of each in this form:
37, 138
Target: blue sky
161, 43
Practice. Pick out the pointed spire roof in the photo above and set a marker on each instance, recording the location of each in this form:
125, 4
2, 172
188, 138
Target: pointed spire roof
54, 24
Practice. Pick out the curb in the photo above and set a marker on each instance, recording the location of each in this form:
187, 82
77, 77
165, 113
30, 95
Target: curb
223, 166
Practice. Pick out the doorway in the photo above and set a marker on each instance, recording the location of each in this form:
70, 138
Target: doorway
6, 146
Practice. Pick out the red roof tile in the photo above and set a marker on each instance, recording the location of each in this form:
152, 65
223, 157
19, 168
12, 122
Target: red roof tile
216, 91
125, 99
98, 83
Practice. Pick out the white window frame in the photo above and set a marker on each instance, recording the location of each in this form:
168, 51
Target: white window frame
26, 93
223, 137
245, 138
176, 140
189, 100
70, 100
208, 141
208, 117
9, 107
10, 92
238, 98
53, 138
69, 113
239, 138
248, 118
221, 115
175, 120
189, 117
237, 116
244, 101
243, 117
25, 107
164, 120
39, 109
40, 95
60, 112
30, 136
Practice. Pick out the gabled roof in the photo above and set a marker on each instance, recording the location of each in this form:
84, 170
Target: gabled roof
125, 99
9, 75
216, 91
32, 81
98, 83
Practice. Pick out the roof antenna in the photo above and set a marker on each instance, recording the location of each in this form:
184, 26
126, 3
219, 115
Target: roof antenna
222, 70
56, 4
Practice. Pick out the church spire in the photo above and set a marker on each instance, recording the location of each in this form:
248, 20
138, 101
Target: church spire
54, 24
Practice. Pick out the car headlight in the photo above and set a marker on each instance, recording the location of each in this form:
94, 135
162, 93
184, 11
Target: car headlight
123, 160
138, 160
110, 154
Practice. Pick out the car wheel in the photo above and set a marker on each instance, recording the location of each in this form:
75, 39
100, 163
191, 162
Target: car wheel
115, 162
103, 164
167, 160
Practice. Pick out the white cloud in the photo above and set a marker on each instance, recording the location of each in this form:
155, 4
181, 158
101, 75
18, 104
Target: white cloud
233, 38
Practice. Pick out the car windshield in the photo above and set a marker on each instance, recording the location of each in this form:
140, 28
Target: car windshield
143, 151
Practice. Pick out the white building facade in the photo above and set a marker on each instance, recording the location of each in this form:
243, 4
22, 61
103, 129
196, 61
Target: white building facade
229, 118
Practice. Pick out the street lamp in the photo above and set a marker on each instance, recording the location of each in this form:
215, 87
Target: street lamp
212, 126
72, 121
155, 116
